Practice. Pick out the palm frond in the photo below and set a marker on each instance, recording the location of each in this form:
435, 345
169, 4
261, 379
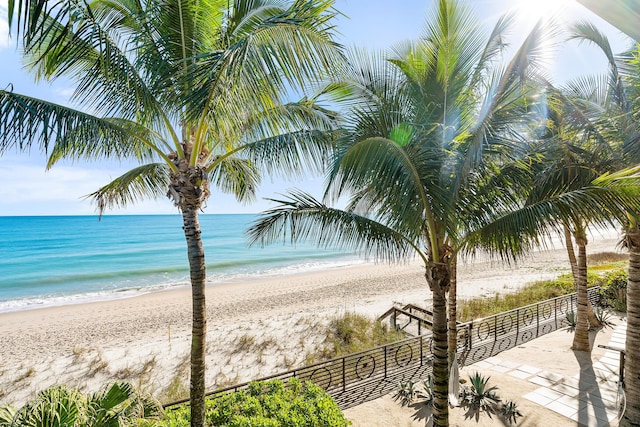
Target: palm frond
585, 31
236, 176
299, 217
73, 132
510, 233
286, 50
147, 181
91, 54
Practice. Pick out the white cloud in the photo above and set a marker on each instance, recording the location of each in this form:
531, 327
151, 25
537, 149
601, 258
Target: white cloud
26, 189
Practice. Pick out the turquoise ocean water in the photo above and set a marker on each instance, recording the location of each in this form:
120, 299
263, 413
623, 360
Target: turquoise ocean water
71, 259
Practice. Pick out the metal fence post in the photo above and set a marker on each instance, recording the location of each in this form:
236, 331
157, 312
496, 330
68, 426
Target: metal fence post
517, 325
385, 361
344, 374
537, 320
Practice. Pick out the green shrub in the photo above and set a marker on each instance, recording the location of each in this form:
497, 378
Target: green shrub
614, 290
266, 404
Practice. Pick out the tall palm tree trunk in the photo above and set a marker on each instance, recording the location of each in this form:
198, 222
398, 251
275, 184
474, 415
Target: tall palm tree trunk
632, 365
568, 240
438, 276
581, 336
453, 311
593, 320
189, 188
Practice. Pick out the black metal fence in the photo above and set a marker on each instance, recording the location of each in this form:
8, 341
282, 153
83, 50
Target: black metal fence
367, 375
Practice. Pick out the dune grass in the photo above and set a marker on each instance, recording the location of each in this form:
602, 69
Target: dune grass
480, 307
351, 333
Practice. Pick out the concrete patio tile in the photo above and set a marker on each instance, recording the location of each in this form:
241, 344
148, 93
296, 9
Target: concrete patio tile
538, 398
500, 368
572, 402
509, 364
553, 377
591, 413
562, 409
572, 382
540, 381
566, 390
493, 360
584, 418
519, 374
529, 369
548, 393
483, 364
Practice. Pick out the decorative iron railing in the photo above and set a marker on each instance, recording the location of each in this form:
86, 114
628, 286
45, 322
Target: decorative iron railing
359, 377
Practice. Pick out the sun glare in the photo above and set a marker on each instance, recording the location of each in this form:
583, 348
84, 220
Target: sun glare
531, 11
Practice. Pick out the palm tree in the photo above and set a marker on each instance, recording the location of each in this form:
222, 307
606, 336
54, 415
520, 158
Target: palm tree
193, 91
573, 154
430, 138
618, 123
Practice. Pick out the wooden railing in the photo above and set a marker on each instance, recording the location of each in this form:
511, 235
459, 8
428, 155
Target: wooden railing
359, 377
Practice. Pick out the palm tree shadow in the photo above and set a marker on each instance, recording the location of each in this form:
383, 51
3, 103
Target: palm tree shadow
589, 387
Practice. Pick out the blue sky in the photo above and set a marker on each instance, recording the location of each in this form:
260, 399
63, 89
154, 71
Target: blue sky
26, 189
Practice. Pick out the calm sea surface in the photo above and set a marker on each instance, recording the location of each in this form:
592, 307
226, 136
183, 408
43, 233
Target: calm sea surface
71, 259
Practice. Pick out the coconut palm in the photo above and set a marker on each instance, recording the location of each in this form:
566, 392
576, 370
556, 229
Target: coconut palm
430, 134
618, 123
193, 91
573, 154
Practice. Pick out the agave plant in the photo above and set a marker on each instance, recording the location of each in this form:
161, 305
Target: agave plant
406, 393
479, 397
509, 411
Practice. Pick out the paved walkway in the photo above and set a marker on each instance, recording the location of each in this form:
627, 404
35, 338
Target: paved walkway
589, 397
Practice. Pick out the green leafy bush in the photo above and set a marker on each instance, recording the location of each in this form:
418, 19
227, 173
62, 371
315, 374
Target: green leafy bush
266, 404
614, 291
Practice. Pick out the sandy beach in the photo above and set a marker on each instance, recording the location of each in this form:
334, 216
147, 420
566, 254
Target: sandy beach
254, 328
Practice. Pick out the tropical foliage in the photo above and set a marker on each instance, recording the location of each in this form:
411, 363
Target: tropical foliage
195, 92
115, 405
266, 404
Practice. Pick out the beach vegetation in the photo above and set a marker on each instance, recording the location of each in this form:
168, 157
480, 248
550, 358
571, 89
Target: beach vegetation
478, 397
115, 405
177, 389
266, 404
245, 343
350, 333
510, 412
483, 306
406, 393
614, 291
434, 165
97, 365
196, 94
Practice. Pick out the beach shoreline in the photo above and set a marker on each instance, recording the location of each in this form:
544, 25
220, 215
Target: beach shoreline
145, 339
